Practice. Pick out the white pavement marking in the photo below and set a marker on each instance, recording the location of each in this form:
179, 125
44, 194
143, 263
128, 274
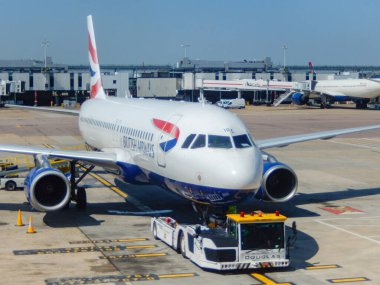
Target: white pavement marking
363, 143
370, 218
362, 226
347, 231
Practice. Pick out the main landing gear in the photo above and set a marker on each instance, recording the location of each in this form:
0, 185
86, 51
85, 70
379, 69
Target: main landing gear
209, 214
324, 102
203, 211
78, 194
361, 104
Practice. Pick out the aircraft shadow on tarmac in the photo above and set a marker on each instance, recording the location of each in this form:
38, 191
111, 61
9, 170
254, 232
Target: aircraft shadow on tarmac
292, 209
149, 200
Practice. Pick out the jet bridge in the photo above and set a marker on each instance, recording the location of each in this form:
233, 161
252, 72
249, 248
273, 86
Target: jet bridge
261, 88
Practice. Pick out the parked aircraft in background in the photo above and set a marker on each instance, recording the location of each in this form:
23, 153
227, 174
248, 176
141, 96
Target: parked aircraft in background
324, 91
358, 90
199, 151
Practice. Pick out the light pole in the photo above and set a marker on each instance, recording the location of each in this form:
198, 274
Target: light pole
284, 47
45, 44
185, 46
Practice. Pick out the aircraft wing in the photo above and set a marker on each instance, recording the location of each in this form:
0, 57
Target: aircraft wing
47, 109
93, 157
284, 141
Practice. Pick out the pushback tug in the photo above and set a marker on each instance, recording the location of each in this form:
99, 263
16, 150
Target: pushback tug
255, 240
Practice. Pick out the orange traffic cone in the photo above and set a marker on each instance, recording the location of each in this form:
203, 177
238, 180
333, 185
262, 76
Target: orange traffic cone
19, 219
30, 227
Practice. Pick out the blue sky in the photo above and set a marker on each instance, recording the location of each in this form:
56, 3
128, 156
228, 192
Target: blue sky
332, 32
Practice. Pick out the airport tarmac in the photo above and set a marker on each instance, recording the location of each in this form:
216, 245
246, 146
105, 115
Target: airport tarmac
336, 210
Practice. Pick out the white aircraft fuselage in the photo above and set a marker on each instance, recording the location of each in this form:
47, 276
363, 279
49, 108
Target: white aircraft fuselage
355, 88
220, 165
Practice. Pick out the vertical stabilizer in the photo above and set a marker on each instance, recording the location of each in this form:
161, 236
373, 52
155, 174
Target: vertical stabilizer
311, 67
97, 90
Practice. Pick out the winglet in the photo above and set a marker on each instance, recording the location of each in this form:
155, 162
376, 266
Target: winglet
97, 90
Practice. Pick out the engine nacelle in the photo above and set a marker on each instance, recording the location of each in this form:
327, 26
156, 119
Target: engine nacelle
47, 189
300, 98
279, 182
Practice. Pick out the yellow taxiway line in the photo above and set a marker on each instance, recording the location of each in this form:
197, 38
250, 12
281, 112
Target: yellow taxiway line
176, 275
322, 267
346, 280
97, 177
266, 280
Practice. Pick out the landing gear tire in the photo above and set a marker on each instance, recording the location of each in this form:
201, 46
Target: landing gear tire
182, 245
202, 211
361, 105
155, 231
81, 198
10, 185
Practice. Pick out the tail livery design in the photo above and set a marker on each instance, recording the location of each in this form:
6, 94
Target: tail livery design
97, 90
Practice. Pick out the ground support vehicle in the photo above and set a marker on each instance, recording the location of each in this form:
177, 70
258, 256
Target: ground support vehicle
238, 103
255, 240
11, 183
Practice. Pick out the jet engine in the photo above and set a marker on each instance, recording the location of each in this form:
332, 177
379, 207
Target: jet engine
279, 183
300, 98
47, 189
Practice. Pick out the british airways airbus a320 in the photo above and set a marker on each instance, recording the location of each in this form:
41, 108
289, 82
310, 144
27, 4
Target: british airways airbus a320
201, 152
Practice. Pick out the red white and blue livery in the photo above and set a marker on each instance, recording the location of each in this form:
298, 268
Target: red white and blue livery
199, 151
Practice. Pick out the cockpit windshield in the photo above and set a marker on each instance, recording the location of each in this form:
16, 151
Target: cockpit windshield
199, 142
188, 141
215, 141
242, 141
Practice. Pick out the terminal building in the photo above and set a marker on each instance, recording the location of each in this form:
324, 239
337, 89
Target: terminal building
24, 80
35, 82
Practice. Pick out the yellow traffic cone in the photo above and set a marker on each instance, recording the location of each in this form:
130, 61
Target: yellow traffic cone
19, 219
30, 227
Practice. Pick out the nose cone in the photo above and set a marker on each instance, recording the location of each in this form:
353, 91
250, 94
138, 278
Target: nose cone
242, 169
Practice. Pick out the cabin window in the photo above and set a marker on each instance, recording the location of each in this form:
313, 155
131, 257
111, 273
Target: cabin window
242, 141
199, 142
219, 141
188, 141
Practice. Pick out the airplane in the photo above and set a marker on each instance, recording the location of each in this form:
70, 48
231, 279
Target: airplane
325, 91
358, 90
199, 151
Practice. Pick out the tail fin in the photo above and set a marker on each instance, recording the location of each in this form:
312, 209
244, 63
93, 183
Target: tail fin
311, 67
97, 90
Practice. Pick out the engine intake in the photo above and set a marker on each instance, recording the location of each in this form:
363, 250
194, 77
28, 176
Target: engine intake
299, 98
279, 183
47, 189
